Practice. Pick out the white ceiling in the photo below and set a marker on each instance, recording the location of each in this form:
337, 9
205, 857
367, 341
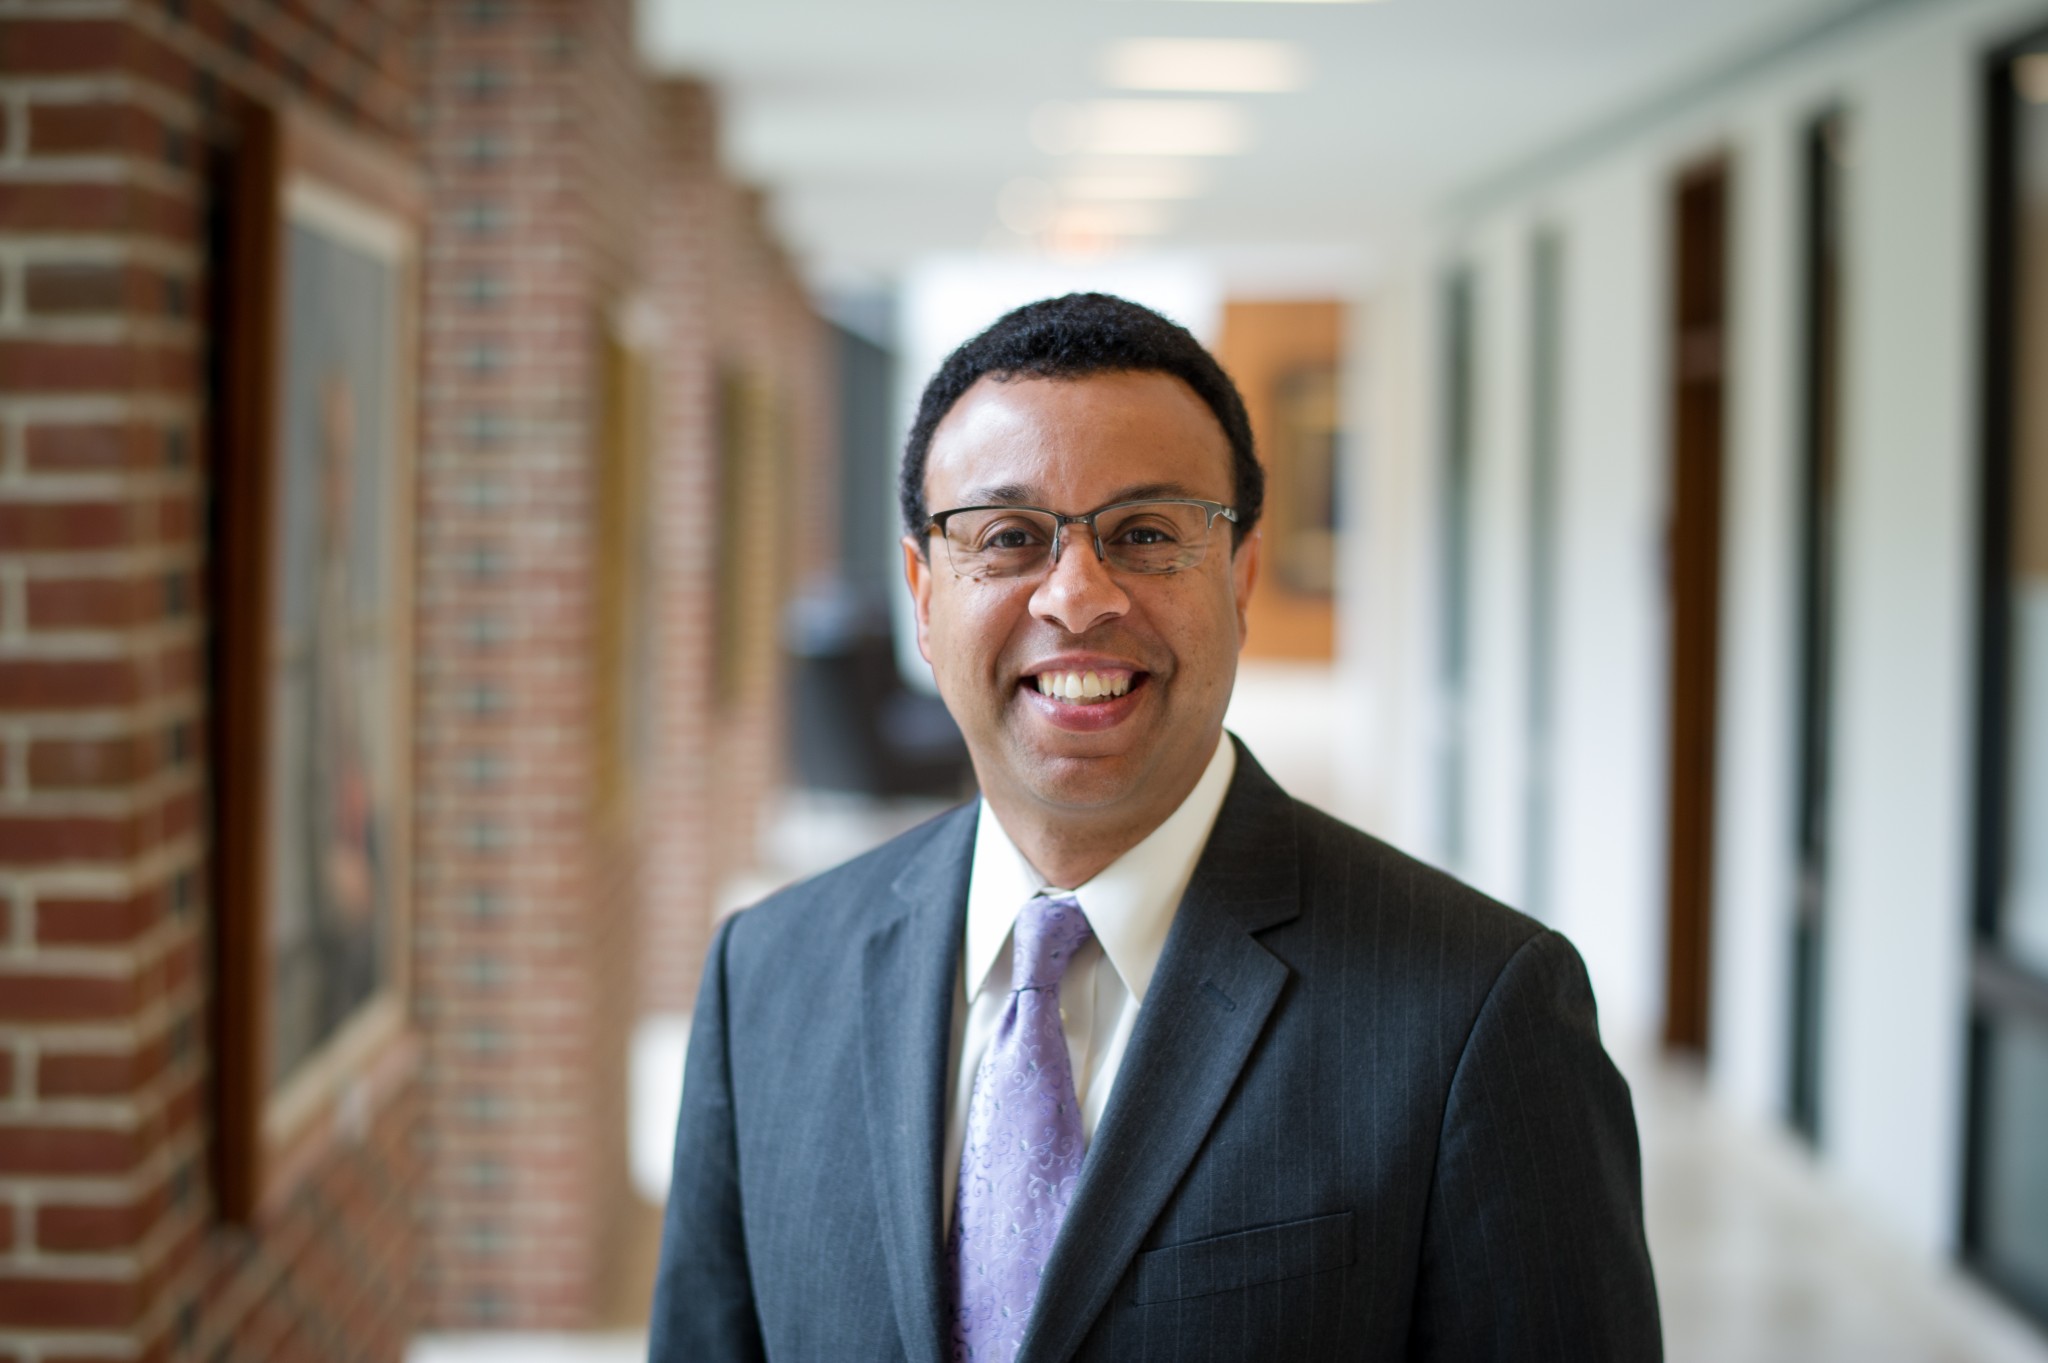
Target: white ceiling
887, 130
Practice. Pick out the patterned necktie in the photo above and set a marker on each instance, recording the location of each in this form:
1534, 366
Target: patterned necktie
1022, 1153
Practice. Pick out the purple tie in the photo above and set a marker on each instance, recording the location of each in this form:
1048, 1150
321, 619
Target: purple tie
1023, 1148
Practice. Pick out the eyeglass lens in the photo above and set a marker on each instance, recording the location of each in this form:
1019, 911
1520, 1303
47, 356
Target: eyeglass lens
1144, 537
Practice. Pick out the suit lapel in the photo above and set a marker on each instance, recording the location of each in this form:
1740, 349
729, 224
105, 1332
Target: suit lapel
910, 974
1209, 1001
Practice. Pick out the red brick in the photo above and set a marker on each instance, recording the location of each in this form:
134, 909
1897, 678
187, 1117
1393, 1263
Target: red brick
88, 764
38, 684
72, 290
92, 602
29, 527
84, 448
66, 1150
68, 1303
67, 998
97, 1230
72, 921
94, 366
95, 206
26, 839
49, 46
65, 129
178, 669
99, 1074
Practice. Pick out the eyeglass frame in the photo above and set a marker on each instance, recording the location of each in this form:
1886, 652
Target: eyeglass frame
937, 522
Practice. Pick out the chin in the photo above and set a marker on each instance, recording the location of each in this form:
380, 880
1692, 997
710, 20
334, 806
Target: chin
1083, 781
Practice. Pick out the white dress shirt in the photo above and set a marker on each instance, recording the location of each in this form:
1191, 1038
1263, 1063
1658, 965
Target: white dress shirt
1130, 904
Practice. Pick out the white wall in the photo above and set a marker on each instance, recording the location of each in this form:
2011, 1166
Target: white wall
1895, 998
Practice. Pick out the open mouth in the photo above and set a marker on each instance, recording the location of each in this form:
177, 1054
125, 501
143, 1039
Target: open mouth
1086, 688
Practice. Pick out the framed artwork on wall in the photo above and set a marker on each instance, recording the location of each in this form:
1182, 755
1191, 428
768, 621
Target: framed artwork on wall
626, 624
313, 559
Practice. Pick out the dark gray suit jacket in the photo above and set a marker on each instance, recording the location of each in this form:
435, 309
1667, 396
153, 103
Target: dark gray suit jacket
1365, 1114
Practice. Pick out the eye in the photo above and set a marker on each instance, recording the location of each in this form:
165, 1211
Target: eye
1147, 534
1012, 536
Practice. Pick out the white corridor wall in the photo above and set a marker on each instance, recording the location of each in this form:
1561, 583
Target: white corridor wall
1908, 75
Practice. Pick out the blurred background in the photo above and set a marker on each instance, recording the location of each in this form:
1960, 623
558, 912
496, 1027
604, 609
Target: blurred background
448, 558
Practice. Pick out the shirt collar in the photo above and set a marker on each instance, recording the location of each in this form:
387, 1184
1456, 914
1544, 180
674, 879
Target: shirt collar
1130, 903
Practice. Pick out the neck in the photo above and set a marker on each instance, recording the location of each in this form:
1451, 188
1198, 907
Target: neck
1069, 848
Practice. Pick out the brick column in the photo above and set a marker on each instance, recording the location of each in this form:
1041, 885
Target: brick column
527, 903
108, 1244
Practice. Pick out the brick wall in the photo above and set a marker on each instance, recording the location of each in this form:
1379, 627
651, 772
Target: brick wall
108, 1243
482, 1183
536, 123
739, 330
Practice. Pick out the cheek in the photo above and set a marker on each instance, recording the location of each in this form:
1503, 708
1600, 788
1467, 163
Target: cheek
967, 631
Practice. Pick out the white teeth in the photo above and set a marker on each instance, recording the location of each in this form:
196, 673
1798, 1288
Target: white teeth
1082, 685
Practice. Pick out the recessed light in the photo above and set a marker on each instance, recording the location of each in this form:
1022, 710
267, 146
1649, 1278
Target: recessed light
1224, 65
1141, 127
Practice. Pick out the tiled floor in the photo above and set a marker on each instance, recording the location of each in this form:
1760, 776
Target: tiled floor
1758, 1260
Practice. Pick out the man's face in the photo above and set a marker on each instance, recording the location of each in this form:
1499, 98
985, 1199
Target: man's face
1072, 445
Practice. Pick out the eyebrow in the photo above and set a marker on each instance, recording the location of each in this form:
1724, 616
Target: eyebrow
1014, 494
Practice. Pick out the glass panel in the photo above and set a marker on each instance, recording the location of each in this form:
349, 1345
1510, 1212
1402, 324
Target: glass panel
2013, 1243
2025, 918
1826, 171
1546, 381
1460, 420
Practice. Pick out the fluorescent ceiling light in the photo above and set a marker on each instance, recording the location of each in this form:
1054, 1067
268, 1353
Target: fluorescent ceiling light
1225, 65
1173, 180
1141, 127
2030, 75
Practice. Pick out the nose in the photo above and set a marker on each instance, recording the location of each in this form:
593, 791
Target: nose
1079, 592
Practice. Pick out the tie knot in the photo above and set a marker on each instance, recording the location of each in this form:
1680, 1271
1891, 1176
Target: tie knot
1049, 930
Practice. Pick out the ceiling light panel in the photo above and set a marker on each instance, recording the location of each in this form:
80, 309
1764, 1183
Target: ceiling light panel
1141, 127
1221, 65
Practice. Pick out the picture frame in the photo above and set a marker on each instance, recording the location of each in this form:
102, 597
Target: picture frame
317, 415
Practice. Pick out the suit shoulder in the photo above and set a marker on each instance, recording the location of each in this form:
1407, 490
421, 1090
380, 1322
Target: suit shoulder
1368, 879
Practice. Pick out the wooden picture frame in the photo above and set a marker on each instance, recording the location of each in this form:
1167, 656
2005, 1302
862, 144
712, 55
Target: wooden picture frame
317, 414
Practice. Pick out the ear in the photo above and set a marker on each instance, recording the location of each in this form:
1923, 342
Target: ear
1244, 575
917, 575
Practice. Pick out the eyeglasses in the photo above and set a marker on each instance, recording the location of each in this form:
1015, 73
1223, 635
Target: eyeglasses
1151, 536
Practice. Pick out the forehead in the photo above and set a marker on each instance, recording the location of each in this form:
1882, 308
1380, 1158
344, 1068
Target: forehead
1075, 443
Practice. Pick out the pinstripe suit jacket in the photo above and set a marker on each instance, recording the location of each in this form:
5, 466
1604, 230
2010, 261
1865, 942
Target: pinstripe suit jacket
1365, 1114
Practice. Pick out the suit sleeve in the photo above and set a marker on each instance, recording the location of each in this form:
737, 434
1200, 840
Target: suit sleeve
1533, 1248
703, 1295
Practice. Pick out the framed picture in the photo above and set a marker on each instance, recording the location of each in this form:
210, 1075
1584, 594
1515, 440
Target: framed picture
313, 542
626, 627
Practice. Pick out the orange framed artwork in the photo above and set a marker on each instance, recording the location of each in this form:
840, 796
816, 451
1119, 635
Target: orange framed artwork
313, 540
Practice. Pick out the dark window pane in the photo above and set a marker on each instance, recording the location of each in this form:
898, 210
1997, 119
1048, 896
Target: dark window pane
2025, 918
2014, 1244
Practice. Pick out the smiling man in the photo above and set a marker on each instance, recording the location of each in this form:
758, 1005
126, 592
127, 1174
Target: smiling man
1135, 1057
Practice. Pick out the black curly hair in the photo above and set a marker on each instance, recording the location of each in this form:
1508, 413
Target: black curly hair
1072, 337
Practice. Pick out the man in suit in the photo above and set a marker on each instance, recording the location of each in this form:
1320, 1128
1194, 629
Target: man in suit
1135, 1058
